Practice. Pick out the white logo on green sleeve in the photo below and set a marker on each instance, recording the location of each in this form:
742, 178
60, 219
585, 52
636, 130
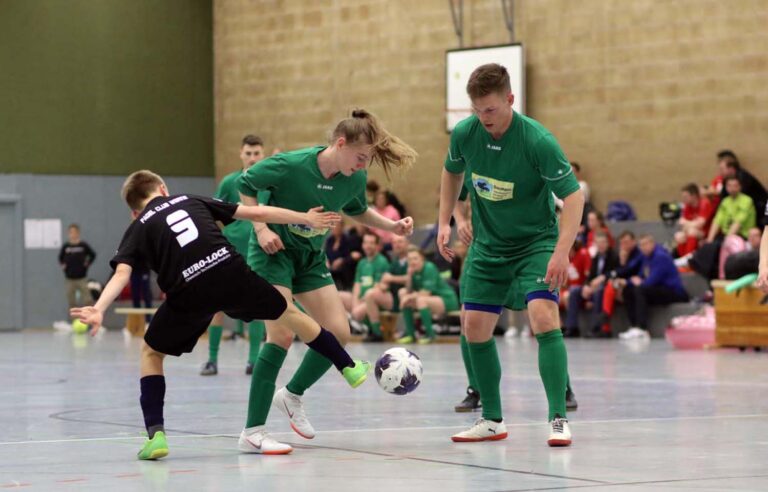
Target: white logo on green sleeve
492, 189
366, 281
305, 231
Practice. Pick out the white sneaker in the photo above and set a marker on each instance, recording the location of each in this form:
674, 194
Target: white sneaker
482, 430
291, 406
62, 326
560, 433
256, 440
634, 333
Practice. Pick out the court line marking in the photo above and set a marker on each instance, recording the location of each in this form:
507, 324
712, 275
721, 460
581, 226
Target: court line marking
632, 484
194, 435
453, 463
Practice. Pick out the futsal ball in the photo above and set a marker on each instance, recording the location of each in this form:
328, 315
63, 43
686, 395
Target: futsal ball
398, 371
79, 327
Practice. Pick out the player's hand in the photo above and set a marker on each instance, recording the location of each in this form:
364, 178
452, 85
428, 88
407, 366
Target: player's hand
443, 239
318, 219
464, 229
403, 227
762, 280
90, 316
269, 241
557, 270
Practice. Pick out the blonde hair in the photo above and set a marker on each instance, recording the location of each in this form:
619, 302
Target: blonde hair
389, 151
138, 186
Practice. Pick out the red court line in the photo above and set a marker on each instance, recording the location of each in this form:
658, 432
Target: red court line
72, 480
14, 485
128, 475
183, 471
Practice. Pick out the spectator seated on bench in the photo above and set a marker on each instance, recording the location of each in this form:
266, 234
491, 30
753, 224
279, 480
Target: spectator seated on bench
658, 283
426, 291
592, 291
369, 272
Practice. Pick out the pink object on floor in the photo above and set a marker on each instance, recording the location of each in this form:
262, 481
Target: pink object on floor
692, 332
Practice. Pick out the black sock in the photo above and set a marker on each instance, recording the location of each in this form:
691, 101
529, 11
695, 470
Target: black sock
326, 345
152, 396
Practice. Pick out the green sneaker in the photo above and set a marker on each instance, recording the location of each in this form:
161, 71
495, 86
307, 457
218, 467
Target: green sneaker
154, 448
406, 339
356, 374
426, 340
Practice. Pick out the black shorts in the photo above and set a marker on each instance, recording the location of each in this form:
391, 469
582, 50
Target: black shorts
233, 288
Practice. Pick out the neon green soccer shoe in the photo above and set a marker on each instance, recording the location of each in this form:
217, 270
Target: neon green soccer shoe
154, 448
356, 374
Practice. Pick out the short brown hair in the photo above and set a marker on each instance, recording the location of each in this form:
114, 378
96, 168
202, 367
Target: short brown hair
138, 186
691, 188
488, 79
251, 139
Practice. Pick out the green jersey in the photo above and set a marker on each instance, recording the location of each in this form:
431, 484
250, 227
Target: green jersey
369, 272
740, 209
398, 266
238, 233
293, 180
429, 279
511, 182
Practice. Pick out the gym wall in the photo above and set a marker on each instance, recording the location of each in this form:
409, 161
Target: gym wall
106, 87
642, 93
32, 287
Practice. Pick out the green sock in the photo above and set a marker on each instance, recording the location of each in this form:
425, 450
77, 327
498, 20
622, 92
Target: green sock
214, 340
487, 368
255, 336
239, 327
376, 327
553, 368
468, 363
426, 321
410, 327
312, 368
268, 364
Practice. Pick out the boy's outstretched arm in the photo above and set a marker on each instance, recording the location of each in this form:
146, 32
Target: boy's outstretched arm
94, 315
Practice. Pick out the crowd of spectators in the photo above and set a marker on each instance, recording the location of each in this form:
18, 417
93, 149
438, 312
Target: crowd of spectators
717, 234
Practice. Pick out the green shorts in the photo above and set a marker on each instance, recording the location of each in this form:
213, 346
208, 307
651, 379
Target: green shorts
451, 303
297, 269
504, 280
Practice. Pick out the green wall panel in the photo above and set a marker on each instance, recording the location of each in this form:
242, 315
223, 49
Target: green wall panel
106, 86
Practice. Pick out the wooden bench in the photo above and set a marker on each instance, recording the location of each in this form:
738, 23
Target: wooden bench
742, 318
135, 321
389, 326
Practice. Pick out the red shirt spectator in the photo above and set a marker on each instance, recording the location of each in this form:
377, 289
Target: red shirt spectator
703, 209
578, 270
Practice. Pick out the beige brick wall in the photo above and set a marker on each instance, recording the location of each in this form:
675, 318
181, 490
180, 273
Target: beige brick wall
641, 92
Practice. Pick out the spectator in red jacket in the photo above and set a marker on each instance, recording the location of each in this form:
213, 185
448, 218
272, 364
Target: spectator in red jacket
694, 221
596, 222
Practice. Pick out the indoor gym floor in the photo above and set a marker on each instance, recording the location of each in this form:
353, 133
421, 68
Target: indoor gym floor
649, 418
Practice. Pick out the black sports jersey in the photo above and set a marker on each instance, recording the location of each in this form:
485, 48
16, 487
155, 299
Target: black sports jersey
76, 259
177, 237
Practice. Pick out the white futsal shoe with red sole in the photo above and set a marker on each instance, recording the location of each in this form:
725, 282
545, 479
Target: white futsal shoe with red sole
256, 440
482, 430
560, 434
293, 408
